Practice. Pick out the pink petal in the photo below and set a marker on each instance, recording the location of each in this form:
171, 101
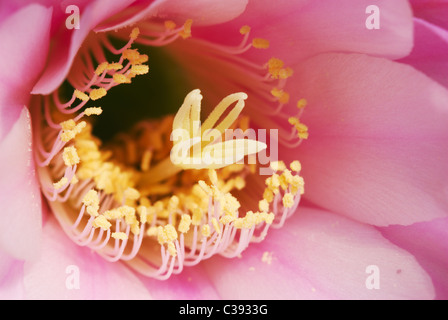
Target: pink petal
67, 42
53, 275
300, 29
377, 149
191, 284
428, 242
20, 199
25, 40
11, 278
429, 54
319, 255
203, 12
433, 11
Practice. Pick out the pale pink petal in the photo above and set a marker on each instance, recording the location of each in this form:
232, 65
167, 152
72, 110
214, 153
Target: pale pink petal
25, 41
429, 54
300, 29
377, 149
191, 284
53, 276
11, 278
319, 255
20, 199
67, 42
428, 242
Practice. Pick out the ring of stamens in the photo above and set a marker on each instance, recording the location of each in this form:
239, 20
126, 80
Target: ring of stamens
106, 197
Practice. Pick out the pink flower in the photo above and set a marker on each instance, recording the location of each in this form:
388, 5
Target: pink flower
372, 222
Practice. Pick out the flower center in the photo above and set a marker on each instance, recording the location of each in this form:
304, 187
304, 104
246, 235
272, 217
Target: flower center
172, 191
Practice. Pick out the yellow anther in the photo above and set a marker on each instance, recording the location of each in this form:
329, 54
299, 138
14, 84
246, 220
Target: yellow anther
295, 166
260, 43
213, 176
131, 54
152, 231
263, 205
186, 31
68, 125
81, 95
277, 165
121, 78
119, 235
101, 222
92, 211
101, 68
286, 179
276, 70
131, 194
134, 33
184, 224
283, 97
93, 111
98, 93
166, 234
143, 213
74, 180
205, 187
197, 216
114, 66
285, 73
245, 30
288, 200
275, 64
297, 185
268, 195
302, 129
216, 225
92, 202
302, 103
139, 69
58, 185
172, 249
205, 230
240, 183
170, 25
70, 156
173, 203
227, 218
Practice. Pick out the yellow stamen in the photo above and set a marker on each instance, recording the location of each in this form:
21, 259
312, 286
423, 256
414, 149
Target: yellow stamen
121, 78
98, 93
186, 31
184, 224
93, 111
58, 185
260, 43
288, 200
170, 25
139, 69
81, 95
134, 33
101, 222
302, 103
119, 235
70, 156
101, 68
114, 66
245, 30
